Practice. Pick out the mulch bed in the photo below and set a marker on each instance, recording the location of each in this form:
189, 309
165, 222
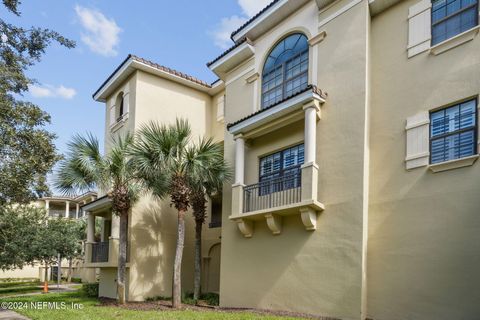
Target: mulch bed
166, 305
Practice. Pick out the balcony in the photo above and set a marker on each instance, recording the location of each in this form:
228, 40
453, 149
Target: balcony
272, 193
270, 200
100, 251
102, 254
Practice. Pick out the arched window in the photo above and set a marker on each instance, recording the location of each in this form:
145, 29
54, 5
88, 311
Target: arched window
286, 69
119, 106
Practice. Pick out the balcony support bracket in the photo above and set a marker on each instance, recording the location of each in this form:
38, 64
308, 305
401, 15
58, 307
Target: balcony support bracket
309, 218
246, 227
274, 223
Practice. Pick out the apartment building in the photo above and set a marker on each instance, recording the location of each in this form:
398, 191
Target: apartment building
58, 207
352, 126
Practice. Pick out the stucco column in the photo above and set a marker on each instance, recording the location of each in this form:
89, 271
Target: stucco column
67, 208
239, 160
115, 228
310, 132
77, 211
90, 227
47, 206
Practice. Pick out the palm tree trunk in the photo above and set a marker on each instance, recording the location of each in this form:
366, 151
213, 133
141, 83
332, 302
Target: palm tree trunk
177, 266
122, 257
198, 260
70, 263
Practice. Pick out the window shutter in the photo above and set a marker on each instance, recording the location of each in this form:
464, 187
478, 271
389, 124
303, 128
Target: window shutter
112, 115
220, 108
418, 140
419, 27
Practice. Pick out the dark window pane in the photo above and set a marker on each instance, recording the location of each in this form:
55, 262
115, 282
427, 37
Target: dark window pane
452, 17
287, 60
452, 132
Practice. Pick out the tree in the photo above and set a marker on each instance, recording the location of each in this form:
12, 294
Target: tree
27, 151
204, 183
166, 159
20, 227
84, 168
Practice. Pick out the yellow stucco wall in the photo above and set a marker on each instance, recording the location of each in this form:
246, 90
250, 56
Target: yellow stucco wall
153, 223
323, 267
424, 239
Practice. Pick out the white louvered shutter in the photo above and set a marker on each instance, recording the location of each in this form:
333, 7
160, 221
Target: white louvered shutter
418, 134
419, 27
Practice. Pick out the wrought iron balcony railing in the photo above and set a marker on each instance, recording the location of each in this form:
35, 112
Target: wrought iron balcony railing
100, 251
273, 192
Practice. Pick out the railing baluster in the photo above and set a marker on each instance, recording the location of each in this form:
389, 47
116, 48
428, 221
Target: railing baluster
272, 193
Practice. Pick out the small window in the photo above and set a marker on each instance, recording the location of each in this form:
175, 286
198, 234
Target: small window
286, 70
216, 215
452, 17
453, 132
119, 104
281, 170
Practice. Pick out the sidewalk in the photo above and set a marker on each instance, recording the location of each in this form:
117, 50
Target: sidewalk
52, 288
11, 315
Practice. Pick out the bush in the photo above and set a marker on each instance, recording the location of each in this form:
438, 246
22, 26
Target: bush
77, 280
90, 289
158, 298
213, 299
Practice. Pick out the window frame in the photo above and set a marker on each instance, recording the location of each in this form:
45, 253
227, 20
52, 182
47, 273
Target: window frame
283, 68
456, 132
446, 18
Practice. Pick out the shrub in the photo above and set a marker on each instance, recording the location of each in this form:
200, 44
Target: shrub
213, 299
90, 289
158, 298
77, 280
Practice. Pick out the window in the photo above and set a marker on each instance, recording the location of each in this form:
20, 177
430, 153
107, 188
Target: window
119, 106
281, 170
453, 132
452, 17
286, 70
216, 216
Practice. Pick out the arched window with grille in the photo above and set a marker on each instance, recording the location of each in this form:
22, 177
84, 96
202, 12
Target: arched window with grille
286, 69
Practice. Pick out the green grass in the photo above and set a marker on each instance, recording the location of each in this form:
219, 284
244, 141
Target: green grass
18, 290
92, 311
19, 284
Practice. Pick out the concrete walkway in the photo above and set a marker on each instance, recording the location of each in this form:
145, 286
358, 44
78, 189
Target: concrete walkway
11, 315
52, 288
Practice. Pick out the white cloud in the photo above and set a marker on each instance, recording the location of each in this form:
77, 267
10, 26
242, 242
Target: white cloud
221, 35
252, 7
100, 34
49, 91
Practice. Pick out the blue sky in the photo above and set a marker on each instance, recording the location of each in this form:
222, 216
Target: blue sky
180, 34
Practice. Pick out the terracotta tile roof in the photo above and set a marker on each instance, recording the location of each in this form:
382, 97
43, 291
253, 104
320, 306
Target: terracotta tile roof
240, 42
310, 87
157, 66
253, 18
170, 70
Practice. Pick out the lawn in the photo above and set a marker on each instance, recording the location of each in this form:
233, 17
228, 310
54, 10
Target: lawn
92, 310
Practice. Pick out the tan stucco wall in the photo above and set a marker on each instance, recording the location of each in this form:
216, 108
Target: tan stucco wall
424, 239
25, 272
323, 267
153, 223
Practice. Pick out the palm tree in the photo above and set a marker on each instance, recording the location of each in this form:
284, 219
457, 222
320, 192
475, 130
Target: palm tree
205, 182
166, 160
84, 168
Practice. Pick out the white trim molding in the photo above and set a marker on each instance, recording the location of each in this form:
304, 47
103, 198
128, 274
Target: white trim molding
455, 41
338, 13
453, 164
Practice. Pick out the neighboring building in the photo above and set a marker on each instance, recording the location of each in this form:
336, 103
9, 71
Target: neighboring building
353, 129
65, 207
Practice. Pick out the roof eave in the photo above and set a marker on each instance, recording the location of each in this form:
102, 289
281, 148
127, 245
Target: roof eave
221, 66
272, 15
